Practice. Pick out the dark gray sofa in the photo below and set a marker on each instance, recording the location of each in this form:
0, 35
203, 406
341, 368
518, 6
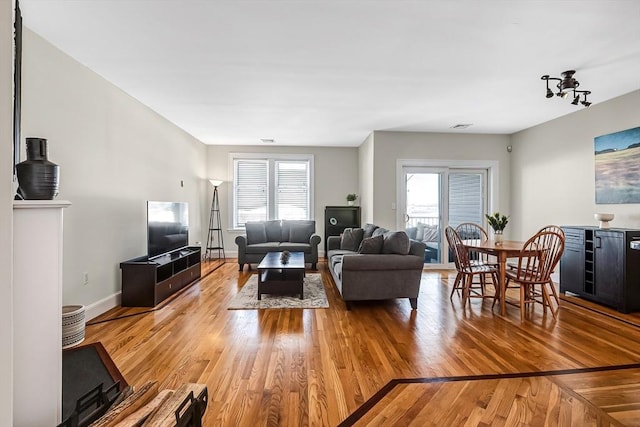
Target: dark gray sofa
276, 236
378, 276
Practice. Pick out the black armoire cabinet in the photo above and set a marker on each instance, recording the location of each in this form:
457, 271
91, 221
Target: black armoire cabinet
337, 218
599, 265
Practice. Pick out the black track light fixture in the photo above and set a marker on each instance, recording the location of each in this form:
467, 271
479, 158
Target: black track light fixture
566, 86
549, 92
585, 102
576, 99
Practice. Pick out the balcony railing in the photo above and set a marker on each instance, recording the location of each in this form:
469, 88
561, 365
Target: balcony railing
426, 220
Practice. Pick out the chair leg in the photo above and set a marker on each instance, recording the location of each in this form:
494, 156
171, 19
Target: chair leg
456, 284
547, 300
555, 294
523, 293
496, 287
466, 289
414, 303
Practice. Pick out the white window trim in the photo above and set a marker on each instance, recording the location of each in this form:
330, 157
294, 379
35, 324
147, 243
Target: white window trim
271, 157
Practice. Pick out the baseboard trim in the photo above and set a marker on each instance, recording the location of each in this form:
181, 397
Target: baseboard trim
102, 306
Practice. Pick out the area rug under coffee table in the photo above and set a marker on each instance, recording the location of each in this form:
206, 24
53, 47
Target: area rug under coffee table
314, 296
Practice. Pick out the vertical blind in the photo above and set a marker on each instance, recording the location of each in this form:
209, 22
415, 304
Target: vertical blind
292, 190
466, 202
271, 189
250, 195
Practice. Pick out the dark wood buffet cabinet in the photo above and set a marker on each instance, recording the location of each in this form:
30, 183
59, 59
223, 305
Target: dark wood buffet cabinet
147, 282
599, 265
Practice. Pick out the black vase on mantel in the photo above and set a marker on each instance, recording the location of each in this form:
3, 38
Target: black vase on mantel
38, 178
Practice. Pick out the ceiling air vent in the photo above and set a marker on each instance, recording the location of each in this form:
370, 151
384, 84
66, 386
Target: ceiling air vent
268, 140
461, 126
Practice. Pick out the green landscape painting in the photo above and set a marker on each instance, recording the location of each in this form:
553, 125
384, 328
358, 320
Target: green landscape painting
618, 167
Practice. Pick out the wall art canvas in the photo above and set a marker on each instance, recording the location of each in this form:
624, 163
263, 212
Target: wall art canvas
618, 167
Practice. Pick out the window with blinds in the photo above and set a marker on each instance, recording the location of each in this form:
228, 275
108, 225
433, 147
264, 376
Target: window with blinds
278, 187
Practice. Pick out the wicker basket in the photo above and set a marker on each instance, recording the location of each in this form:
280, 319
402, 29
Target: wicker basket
72, 325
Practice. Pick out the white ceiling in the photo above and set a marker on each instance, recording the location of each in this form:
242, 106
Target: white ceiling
327, 73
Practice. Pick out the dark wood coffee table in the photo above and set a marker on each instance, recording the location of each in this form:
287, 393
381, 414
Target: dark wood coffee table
274, 277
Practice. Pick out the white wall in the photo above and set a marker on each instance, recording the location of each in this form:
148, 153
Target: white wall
6, 213
390, 146
553, 168
336, 175
114, 155
366, 174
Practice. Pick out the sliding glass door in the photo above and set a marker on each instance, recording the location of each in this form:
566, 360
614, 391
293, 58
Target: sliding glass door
432, 198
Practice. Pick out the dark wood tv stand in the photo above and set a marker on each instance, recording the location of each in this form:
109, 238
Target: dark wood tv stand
147, 282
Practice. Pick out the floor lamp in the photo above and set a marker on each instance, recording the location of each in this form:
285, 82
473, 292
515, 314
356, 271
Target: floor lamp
214, 240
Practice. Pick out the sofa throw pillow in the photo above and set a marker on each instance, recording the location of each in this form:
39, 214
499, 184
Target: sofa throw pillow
396, 242
351, 238
274, 230
430, 234
255, 232
419, 231
371, 245
379, 232
286, 228
300, 233
368, 230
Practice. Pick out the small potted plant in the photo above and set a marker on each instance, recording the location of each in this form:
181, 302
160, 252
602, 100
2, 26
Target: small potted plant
498, 222
351, 198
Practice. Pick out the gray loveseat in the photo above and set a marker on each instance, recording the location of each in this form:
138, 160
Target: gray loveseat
277, 236
375, 264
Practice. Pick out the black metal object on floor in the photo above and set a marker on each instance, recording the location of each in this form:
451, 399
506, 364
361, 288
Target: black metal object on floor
215, 240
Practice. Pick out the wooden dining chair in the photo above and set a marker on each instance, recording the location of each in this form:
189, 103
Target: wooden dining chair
513, 264
537, 260
473, 231
468, 270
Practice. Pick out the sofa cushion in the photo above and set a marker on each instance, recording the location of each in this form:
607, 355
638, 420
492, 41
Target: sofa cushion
273, 230
379, 231
351, 238
263, 248
333, 253
335, 259
295, 247
301, 232
396, 242
286, 228
255, 232
338, 269
368, 230
371, 245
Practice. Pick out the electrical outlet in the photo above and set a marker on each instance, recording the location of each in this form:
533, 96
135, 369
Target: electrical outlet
85, 278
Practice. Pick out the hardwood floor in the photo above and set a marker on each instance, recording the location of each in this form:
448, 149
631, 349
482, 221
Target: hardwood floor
316, 367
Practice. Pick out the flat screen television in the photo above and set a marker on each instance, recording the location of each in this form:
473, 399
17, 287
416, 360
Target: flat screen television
167, 227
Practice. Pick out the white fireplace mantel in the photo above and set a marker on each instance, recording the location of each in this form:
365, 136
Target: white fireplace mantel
37, 305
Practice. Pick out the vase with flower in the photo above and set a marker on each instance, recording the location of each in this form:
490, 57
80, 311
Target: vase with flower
498, 223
